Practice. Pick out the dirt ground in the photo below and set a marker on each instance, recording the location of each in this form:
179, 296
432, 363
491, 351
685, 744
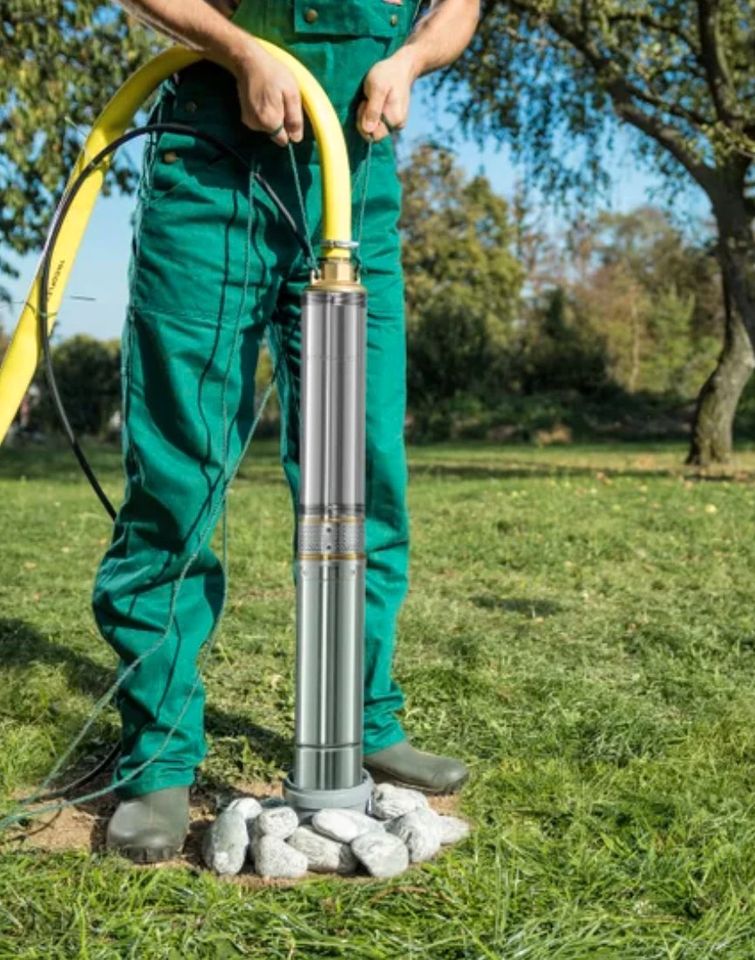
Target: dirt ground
82, 828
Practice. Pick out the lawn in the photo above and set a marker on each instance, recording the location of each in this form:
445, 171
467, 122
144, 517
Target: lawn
580, 629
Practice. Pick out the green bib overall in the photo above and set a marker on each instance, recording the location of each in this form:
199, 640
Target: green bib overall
209, 272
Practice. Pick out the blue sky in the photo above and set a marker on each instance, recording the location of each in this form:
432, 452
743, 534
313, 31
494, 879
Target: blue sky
100, 270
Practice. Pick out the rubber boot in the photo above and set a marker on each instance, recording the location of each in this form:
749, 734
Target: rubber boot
151, 827
403, 764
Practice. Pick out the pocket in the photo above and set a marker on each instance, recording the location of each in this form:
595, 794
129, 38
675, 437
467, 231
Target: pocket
353, 18
185, 161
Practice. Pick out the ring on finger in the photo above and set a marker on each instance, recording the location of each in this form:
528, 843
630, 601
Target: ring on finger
274, 133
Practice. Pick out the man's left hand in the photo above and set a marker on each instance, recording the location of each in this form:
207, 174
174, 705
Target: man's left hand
388, 88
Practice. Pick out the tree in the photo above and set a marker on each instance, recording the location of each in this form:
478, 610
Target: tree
61, 61
87, 372
559, 352
651, 297
546, 73
462, 278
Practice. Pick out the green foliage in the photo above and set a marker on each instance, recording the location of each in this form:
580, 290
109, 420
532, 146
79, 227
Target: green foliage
653, 300
559, 351
462, 278
552, 76
679, 359
88, 376
61, 61
623, 317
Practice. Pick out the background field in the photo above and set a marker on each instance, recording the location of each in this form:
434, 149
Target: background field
580, 629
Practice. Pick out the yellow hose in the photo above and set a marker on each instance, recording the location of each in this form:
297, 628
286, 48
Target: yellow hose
23, 352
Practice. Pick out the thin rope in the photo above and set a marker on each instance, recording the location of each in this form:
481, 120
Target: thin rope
365, 185
362, 207
211, 519
313, 265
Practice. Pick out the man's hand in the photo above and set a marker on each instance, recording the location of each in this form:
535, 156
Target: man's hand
269, 95
388, 88
437, 40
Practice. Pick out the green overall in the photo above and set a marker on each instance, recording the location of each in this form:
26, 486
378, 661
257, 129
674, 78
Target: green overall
209, 272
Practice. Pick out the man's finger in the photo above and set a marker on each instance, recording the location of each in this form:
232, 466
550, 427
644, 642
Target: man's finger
394, 113
387, 123
380, 130
293, 119
272, 122
374, 107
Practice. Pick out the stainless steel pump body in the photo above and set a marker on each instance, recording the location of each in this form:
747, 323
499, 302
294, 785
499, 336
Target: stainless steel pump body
330, 580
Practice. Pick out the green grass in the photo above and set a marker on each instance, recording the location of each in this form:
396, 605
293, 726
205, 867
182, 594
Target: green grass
580, 629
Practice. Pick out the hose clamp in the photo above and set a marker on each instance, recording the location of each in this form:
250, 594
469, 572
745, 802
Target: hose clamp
339, 244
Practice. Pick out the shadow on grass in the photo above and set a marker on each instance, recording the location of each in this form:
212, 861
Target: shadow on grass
81, 825
21, 645
57, 463
534, 469
526, 607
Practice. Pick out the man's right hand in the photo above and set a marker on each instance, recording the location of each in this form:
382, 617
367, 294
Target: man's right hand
268, 93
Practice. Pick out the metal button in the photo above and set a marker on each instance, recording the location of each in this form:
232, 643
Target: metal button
170, 156
310, 15
191, 106
394, 20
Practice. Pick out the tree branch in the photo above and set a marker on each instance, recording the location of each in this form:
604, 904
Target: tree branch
659, 26
714, 60
623, 93
663, 134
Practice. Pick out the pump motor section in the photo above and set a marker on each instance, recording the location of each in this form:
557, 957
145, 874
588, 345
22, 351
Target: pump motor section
330, 543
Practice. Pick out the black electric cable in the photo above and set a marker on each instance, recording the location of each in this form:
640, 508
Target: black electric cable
52, 237
43, 299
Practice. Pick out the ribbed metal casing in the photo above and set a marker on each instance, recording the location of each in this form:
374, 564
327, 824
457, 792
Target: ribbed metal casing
331, 563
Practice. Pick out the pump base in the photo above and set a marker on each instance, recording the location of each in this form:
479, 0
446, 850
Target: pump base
308, 802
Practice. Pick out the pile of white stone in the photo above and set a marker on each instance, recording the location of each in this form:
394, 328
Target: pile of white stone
400, 829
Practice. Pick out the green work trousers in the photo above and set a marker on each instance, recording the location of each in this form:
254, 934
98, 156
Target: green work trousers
214, 267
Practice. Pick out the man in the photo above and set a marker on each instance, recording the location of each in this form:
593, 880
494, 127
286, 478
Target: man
212, 267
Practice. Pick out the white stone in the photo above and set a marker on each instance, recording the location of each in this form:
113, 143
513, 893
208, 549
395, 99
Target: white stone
277, 822
453, 829
390, 801
248, 807
225, 843
323, 855
383, 854
273, 857
420, 830
344, 825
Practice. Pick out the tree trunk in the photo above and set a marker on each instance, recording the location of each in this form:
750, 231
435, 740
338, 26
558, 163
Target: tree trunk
712, 430
634, 372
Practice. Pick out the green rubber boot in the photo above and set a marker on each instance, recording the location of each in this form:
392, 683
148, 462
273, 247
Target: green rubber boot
403, 764
151, 827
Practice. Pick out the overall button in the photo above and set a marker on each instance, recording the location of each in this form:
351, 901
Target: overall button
311, 15
170, 156
191, 106
394, 20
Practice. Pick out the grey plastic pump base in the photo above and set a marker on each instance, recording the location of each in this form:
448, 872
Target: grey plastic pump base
308, 802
